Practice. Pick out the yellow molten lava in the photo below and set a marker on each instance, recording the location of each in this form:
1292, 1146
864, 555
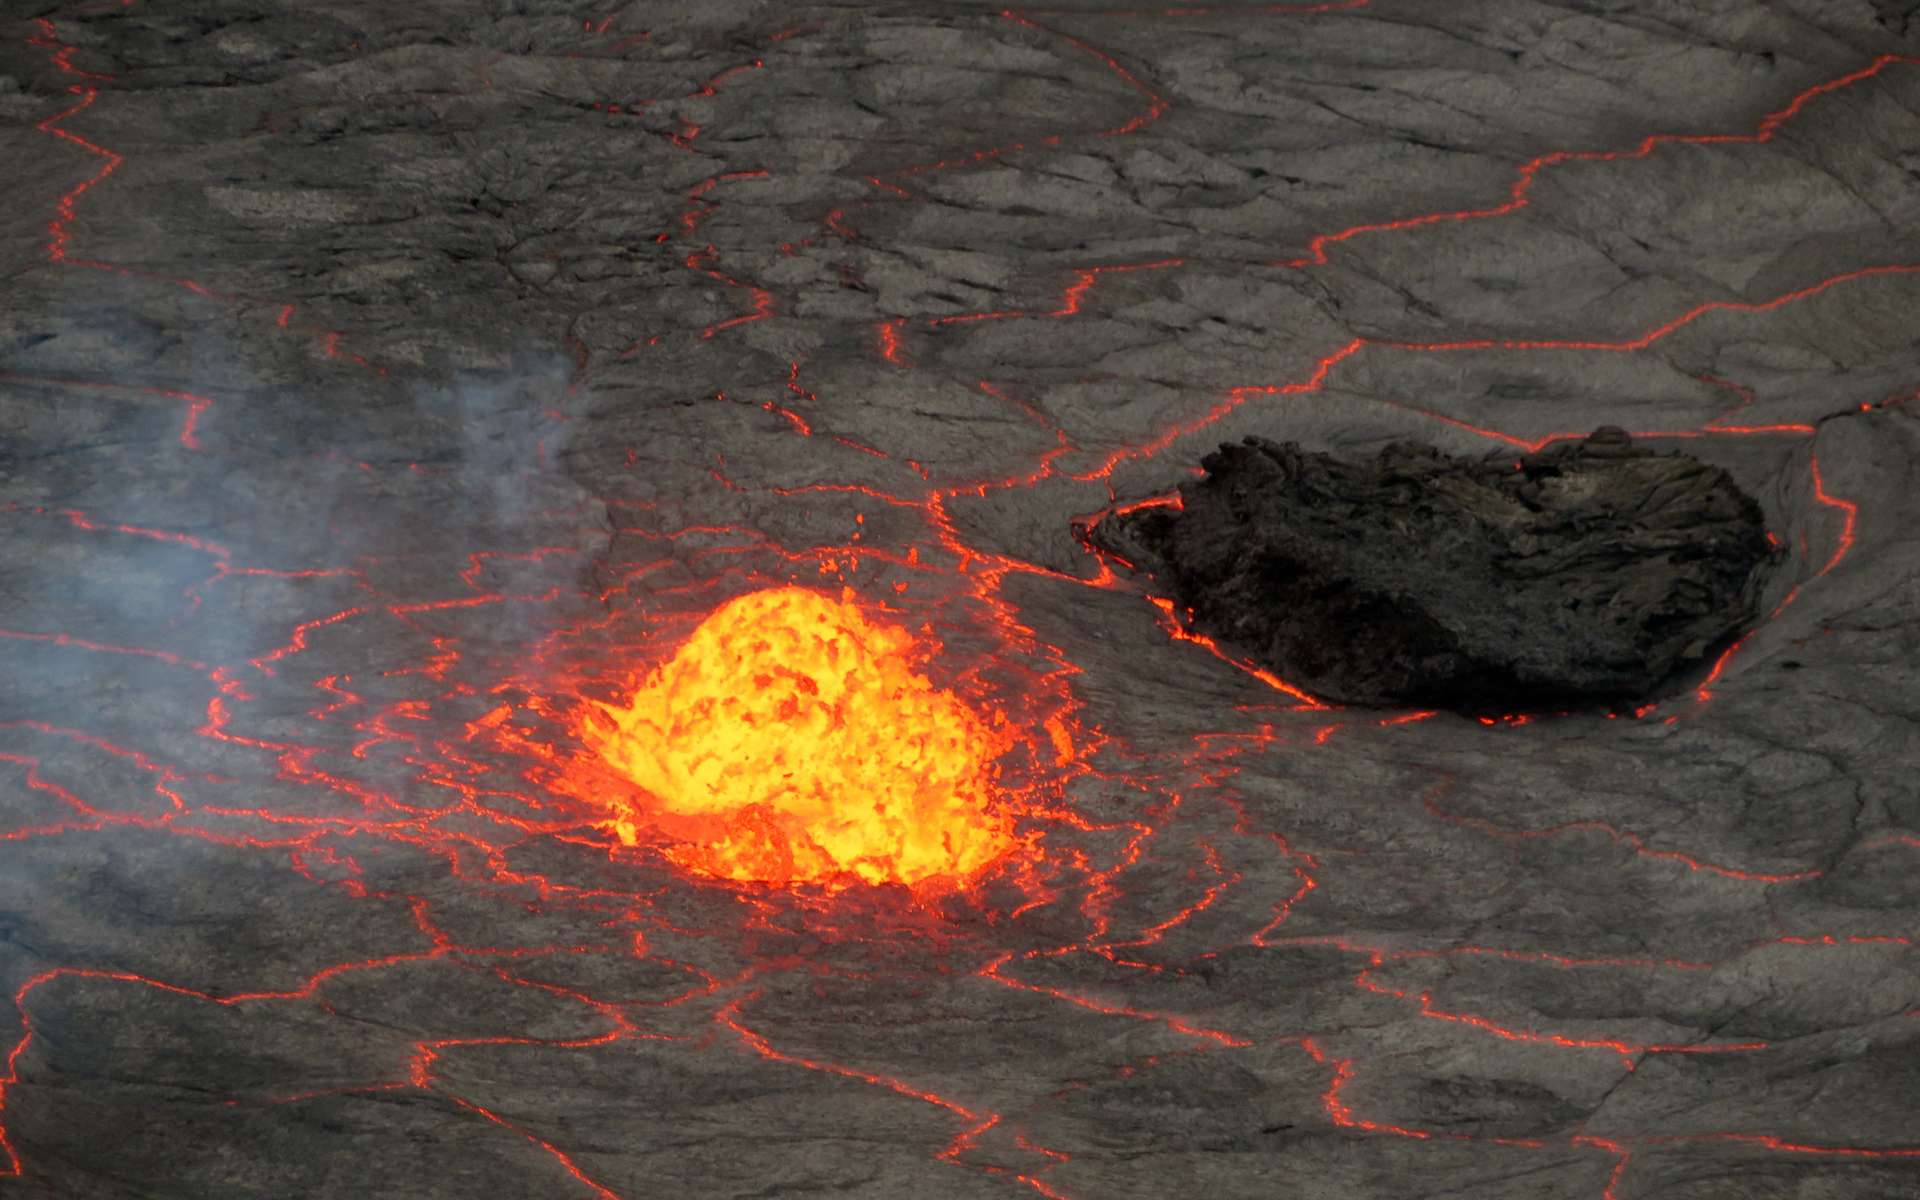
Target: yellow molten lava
790, 739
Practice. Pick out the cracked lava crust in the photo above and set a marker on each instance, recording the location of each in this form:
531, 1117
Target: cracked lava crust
543, 650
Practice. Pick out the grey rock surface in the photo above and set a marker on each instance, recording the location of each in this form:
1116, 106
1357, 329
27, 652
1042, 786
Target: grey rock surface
378, 380
1585, 573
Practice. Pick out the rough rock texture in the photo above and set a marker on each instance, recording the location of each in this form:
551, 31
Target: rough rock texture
376, 376
1586, 571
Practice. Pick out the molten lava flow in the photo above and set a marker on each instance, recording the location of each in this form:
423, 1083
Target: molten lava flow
791, 740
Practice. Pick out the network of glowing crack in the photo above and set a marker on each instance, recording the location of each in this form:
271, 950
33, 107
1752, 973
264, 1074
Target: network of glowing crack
752, 809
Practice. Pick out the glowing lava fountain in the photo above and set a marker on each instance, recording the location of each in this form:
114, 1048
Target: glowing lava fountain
791, 739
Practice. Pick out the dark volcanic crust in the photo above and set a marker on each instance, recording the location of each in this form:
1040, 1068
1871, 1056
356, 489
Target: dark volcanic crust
1588, 571
380, 381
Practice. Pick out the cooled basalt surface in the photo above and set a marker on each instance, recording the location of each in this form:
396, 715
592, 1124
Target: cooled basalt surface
1583, 573
383, 386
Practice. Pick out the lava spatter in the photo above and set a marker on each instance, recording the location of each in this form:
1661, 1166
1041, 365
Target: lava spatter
792, 739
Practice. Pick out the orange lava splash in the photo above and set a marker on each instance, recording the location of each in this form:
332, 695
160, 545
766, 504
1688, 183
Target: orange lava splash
790, 739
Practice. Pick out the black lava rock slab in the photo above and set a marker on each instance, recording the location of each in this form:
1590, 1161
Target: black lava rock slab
1591, 571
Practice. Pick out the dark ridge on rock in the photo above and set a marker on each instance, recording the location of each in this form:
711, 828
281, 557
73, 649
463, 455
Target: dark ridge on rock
1588, 572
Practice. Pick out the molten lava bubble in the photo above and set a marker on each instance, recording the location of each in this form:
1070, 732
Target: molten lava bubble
790, 739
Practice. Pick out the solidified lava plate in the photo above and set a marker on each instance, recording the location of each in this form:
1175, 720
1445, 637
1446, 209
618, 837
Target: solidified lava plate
543, 650
1588, 571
